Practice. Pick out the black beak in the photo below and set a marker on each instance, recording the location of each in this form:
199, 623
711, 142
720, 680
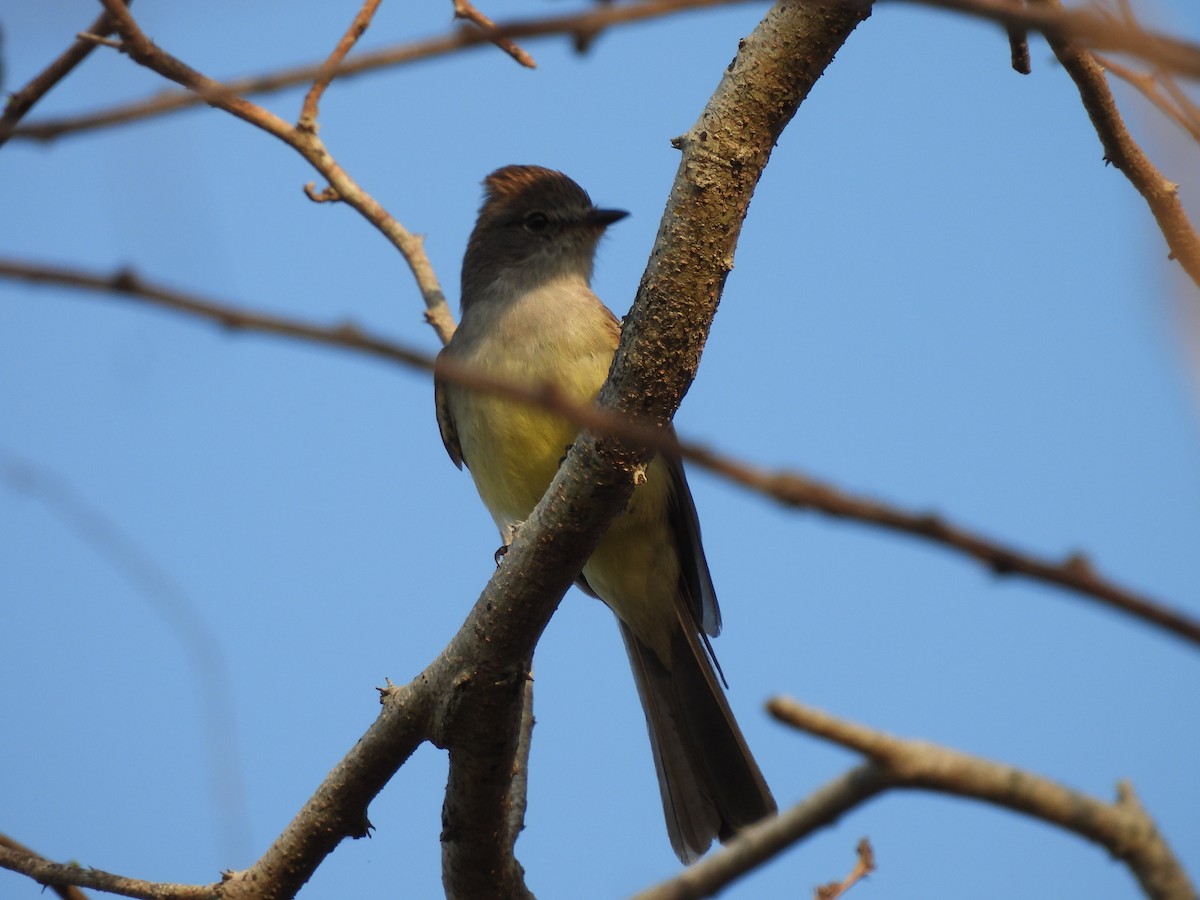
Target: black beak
605, 217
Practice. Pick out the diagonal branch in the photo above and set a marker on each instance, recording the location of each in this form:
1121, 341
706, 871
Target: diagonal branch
329, 68
792, 489
464, 9
1075, 573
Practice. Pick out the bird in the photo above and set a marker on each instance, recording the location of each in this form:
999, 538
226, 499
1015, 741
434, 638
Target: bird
529, 316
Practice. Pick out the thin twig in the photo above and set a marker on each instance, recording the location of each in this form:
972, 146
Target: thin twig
24, 100
411, 246
464, 9
864, 865
792, 489
329, 68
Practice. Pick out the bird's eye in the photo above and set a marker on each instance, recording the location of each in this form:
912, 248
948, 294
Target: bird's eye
536, 222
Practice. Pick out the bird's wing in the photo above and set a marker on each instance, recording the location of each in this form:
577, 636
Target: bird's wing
441, 400
698, 591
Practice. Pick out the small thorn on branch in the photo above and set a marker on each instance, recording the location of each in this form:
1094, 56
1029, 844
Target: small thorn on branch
328, 195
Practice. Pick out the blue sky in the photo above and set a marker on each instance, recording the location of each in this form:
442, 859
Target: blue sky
942, 298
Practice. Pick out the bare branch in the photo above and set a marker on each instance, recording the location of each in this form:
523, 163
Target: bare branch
65, 875
1074, 573
581, 27
329, 68
792, 489
62, 891
24, 100
463, 9
411, 246
1123, 828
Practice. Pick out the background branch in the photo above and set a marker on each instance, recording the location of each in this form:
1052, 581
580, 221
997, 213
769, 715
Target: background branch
792, 489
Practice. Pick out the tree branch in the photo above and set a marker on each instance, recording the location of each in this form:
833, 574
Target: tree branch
327, 71
63, 892
464, 9
1123, 828
60, 875
146, 53
792, 489
582, 27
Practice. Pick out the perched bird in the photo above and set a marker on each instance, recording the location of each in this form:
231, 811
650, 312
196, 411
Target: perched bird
529, 316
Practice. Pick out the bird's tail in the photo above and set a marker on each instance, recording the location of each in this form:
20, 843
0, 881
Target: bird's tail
711, 786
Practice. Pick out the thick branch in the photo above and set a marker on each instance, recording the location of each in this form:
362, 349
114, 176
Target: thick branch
663, 337
1123, 828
